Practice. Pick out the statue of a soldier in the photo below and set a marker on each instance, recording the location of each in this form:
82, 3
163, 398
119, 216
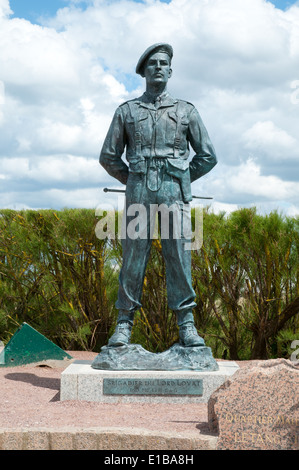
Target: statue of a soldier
157, 131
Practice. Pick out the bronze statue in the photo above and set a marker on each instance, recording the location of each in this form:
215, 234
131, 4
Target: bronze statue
157, 131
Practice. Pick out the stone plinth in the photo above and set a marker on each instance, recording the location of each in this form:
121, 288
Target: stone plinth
80, 381
257, 408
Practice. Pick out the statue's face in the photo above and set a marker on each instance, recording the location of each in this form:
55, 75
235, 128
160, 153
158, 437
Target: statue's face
157, 68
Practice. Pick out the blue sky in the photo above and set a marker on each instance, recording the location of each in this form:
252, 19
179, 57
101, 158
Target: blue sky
33, 9
62, 77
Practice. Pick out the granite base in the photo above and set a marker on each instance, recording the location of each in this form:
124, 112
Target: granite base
81, 382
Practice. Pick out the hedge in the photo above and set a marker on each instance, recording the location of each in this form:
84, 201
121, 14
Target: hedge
59, 277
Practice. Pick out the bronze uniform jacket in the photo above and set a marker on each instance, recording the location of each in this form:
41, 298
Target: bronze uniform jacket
166, 132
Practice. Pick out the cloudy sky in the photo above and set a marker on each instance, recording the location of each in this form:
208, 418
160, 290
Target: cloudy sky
65, 65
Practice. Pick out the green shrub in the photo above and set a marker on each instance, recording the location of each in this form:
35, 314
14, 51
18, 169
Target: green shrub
56, 275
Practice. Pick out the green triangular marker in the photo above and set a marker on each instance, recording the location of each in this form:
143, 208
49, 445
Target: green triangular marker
28, 346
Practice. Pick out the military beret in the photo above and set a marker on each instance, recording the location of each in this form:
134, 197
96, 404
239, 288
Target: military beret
159, 47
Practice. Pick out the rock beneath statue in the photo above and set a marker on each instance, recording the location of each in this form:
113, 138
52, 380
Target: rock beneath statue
135, 357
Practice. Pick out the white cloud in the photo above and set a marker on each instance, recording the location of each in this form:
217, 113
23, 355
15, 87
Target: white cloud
268, 137
36, 56
246, 184
53, 169
5, 9
81, 198
2, 100
217, 207
249, 180
62, 80
52, 198
292, 211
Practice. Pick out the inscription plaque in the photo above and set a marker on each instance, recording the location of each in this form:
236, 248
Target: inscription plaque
142, 386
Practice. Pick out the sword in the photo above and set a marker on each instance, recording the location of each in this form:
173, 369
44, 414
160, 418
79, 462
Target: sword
108, 190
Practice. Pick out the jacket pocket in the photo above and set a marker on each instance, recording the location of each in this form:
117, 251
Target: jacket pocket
137, 166
173, 116
142, 116
180, 170
178, 164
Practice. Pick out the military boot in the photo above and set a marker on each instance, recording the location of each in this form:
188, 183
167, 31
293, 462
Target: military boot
187, 332
189, 337
122, 334
123, 330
